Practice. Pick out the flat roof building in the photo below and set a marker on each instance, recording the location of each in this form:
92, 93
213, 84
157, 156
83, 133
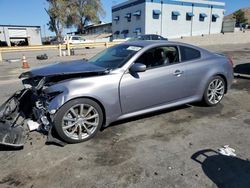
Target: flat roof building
17, 35
169, 18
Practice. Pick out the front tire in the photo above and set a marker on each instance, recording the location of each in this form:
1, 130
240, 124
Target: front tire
214, 91
78, 120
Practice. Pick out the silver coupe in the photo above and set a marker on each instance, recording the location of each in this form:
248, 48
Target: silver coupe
77, 98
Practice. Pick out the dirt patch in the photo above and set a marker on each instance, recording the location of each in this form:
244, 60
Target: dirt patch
118, 152
170, 133
242, 84
247, 121
15, 180
132, 175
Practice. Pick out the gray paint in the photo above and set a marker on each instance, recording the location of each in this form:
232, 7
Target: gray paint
123, 95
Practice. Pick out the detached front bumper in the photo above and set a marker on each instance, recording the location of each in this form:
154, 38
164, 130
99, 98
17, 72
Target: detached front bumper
21, 107
12, 117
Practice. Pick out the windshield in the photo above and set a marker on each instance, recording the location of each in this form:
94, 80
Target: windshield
115, 57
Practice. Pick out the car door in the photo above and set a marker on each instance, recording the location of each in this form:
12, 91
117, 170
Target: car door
194, 69
161, 83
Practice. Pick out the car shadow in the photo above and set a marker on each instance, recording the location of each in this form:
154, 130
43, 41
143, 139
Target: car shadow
224, 171
148, 115
8, 148
242, 69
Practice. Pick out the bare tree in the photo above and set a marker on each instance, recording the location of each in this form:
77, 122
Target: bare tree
85, 11
58, 11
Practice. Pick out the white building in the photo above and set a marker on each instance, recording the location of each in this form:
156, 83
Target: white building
169, 18
12, 35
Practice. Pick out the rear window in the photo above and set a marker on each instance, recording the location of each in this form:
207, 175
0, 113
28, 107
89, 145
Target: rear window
75, 38
188, 53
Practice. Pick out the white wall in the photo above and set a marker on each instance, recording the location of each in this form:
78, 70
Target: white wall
217, 26
165, 26
123, 24
199, 27
153, 26
2, 38
34, 36
179, 27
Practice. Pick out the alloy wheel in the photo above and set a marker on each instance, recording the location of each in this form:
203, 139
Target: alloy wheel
216, 90
80, 121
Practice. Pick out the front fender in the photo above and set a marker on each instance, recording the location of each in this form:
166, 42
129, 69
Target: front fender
103, 89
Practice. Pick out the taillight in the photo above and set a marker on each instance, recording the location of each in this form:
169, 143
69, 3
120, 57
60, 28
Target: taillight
230, 60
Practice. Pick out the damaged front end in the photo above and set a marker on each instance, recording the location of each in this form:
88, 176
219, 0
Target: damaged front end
11, 120
29, 109
26, 111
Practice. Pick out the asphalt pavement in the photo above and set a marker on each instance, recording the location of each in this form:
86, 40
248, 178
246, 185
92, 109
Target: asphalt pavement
177, 147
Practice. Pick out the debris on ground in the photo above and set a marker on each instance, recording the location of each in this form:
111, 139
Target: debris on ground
227, 151
32, 125
12, 121
13, 60
42, 57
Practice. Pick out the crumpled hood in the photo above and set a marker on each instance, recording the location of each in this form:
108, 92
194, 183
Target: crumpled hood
63, 68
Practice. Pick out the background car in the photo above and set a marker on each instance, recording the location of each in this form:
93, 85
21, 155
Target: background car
76, 40
148, 37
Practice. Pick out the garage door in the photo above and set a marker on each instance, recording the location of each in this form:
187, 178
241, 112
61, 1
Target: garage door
17, 33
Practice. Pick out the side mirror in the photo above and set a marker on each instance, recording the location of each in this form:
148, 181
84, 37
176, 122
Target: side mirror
138, 67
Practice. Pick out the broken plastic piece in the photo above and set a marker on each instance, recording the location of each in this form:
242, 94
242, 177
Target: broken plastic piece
227, 151
12, 135
32, 125
51, 139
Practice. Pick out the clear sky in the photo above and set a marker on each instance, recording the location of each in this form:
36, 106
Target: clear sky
31, 12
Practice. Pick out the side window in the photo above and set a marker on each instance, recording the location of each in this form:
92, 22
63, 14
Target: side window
188, 53
155, 37
160, 56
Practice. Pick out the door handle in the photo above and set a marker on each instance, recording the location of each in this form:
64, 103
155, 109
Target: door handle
178, 73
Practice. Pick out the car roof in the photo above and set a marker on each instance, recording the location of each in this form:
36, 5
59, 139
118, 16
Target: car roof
151, 43
145, 43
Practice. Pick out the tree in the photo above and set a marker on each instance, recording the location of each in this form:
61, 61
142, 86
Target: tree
85, 11
59, 11
240, 17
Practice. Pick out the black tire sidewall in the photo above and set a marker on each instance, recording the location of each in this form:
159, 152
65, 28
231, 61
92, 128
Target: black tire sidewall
205, 97
61, 112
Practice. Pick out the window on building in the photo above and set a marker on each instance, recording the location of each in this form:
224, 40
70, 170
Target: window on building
175, 15
160, 56
125, 33
137, 31
137, 13
214, 17
156, 14
189, 16
117, 33
202, 17
188, 54
117, 18
128, 16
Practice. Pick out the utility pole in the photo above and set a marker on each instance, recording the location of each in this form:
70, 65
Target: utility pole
192, 20
161, 16
44, 30
210, 21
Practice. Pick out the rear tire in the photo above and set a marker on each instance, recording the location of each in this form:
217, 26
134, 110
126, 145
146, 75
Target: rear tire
214, 91
78, 120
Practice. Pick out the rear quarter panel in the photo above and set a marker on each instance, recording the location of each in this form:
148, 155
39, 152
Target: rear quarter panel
200, 71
